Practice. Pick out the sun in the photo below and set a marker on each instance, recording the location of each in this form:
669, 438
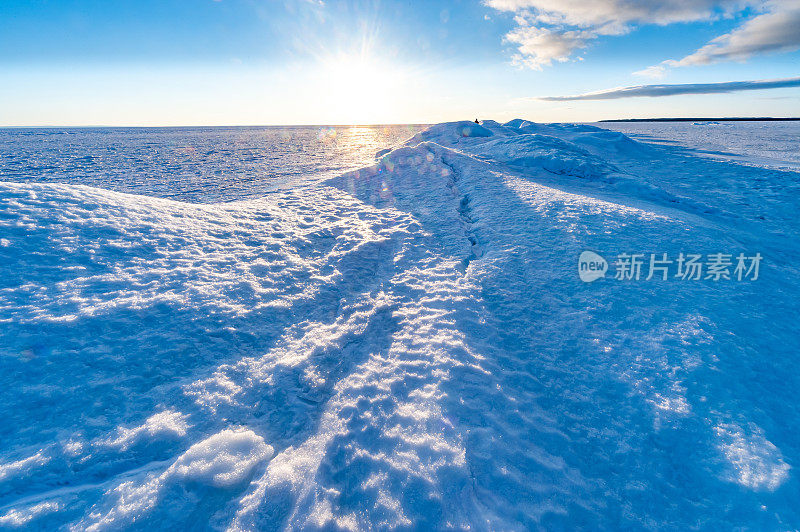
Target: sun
361, 90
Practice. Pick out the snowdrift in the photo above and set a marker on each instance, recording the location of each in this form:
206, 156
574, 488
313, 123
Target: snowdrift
406, 346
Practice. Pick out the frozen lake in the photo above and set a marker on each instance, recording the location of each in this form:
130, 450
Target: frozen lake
195, 164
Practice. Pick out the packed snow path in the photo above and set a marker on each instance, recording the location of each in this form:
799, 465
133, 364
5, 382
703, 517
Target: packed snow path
408, 346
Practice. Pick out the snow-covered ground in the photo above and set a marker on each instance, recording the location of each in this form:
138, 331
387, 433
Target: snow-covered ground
756, 143
407, 346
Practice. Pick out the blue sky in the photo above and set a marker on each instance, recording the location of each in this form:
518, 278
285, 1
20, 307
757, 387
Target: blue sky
147, 62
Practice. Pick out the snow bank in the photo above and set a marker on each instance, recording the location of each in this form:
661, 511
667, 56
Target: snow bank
407, 346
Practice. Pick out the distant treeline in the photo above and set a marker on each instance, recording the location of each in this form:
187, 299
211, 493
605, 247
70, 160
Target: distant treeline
730, 119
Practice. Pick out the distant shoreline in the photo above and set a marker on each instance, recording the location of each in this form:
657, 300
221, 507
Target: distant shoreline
732, 119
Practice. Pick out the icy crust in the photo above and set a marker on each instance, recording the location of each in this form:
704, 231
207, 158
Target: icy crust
405, 347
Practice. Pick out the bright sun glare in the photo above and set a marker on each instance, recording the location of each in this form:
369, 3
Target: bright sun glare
361, 90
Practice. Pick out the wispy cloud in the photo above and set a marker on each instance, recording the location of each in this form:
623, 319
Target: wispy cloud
775, 31
655, 72
672, 90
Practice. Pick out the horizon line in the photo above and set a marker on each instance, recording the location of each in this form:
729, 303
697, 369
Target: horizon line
646, 119
108, 126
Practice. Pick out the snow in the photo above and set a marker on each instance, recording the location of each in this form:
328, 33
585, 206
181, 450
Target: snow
223, 460
407, 345
157, 425
191, 164
760, 144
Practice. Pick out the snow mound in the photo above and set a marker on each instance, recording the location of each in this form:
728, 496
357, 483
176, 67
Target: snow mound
594, 140
569, 150
518, 123
451, 133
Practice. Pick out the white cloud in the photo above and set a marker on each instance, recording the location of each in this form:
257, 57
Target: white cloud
539, 47
553, 30
609, 13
